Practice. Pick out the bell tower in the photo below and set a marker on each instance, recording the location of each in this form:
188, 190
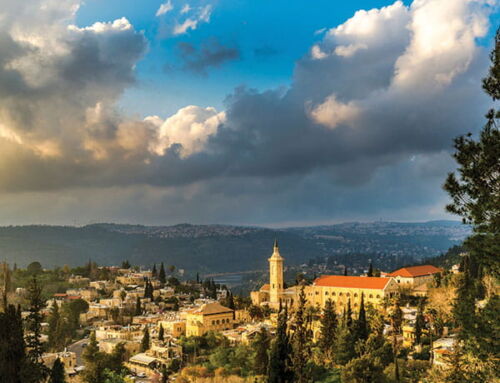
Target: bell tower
275, 275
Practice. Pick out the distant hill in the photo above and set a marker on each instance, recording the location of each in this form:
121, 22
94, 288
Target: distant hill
220, 248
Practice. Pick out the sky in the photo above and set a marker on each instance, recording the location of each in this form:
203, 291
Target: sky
253, 112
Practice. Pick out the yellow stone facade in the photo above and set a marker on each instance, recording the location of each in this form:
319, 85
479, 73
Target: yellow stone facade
209, 317
339, 289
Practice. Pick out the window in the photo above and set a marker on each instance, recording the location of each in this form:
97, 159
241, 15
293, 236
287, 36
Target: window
355, 295
218, 322
347, 294
213, 322
378, 296
333, 294
326, 292
340, 294
371, 296
317, 292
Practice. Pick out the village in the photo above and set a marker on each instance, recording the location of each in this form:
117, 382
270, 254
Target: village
151, 315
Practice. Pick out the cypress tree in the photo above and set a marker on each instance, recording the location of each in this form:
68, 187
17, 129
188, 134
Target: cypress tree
161, 276
300, 342
94, 369
138, 308
57, 373
37, 371
361, 326
161, 333
344, 347
279, 370
54, 334
328, 330
164, 374
154, 272
419, 323
13, 362
261, 348
145, 343
370, 270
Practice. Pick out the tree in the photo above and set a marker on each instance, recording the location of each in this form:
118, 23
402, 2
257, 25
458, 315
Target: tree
154, 272
475, 191
370, 271
161, 333
362, 370
328, 332
419, 322
138, 308
161, 275
93, 372
300, 342
13, 361
6, 284
164, 374
361, 326
34, 268
57, 373
37, 371
145, 342
56, 338
126, 264
280, 370
261, 348
171, 269
344, 347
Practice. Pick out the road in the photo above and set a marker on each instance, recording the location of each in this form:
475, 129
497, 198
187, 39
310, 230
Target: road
78, 348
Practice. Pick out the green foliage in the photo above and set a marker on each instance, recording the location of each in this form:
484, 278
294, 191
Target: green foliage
37, 371
161, 276
34, 268
261, 348
363, 370
13, 361
328, 334
57, 374
145, 342
280, 366
301, 347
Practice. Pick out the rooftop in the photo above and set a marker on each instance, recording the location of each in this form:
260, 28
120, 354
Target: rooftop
376, 283
415, 271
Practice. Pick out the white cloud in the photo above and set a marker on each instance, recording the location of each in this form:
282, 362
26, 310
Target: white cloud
164, 8
185, 9
191, 23
190, 127
331, 112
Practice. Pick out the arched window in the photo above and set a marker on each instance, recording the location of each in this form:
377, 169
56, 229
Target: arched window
355, 295
326, 292
371, 296
378, 296
348, 294
333, 294
340, 294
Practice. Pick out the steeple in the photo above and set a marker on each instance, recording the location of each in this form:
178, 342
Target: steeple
276, 287
276, 251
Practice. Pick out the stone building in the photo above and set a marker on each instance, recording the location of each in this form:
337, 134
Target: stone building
337, 288
209, 317
415, 275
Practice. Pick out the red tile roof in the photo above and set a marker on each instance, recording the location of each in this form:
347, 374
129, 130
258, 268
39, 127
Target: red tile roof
415, 271
375, 283
265, 287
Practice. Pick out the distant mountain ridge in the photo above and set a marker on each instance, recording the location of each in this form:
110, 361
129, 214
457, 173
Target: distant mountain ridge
221, 248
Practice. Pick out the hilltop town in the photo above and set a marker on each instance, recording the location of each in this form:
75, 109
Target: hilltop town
155, 325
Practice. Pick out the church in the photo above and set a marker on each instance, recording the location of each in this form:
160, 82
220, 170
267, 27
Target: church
338, 288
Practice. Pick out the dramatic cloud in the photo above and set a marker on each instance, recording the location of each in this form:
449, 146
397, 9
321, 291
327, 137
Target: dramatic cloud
365, 124
210, 54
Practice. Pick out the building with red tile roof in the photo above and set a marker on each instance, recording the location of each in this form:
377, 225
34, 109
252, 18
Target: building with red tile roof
415, 275
339, 289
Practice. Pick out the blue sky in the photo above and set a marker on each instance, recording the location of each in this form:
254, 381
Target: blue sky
237, 112
283, 30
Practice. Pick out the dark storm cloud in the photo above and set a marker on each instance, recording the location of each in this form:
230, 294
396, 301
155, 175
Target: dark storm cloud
210, 54
363, 103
